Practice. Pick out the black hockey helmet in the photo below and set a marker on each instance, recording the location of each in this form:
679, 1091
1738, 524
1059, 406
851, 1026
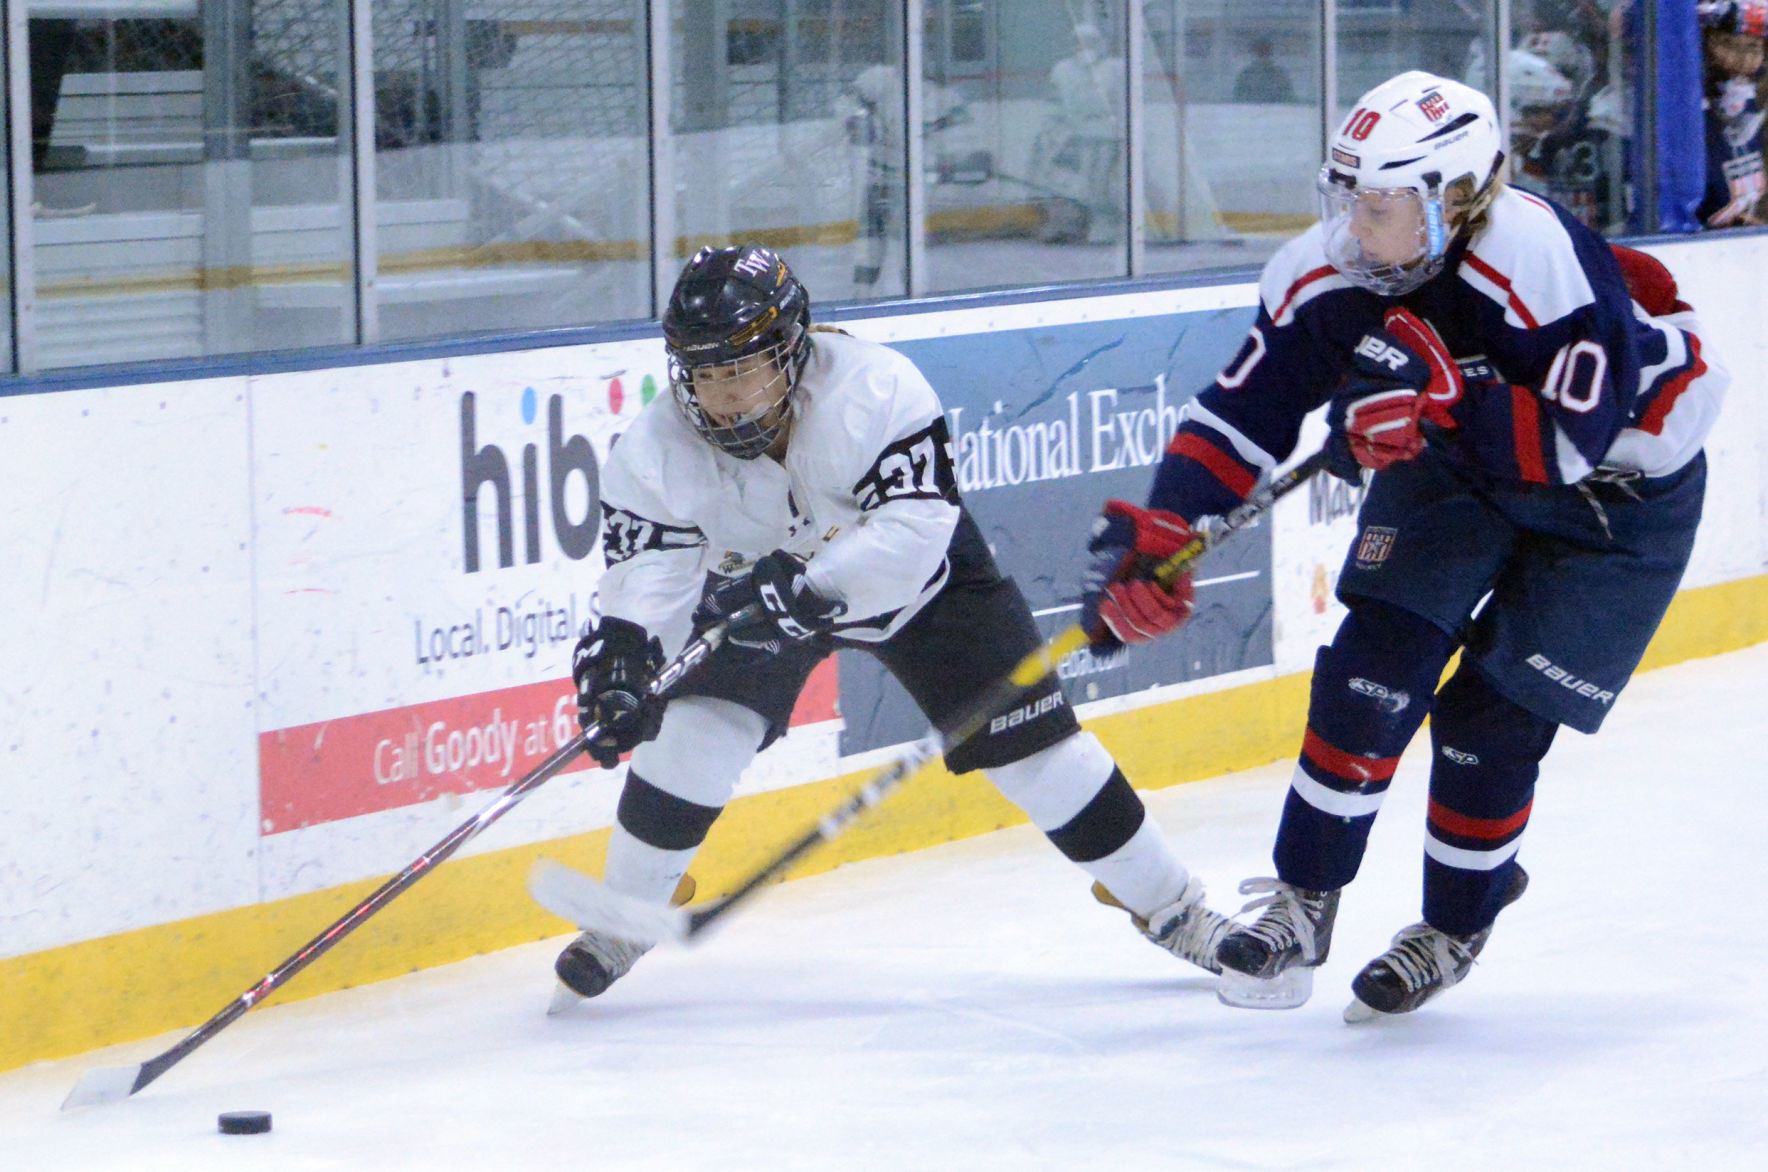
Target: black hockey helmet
737, 309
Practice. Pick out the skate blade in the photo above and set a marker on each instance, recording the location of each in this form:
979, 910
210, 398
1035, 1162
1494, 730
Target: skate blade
563, 998
1287, 990
1357, 1013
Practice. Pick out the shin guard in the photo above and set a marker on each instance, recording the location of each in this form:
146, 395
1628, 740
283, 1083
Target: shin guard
1371, 690
1486, 756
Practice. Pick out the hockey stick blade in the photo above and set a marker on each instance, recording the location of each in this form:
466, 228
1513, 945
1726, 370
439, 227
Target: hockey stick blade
595, 907
103, 1084
112, 1083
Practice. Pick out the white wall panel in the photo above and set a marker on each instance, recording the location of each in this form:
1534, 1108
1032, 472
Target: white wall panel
127, 770
166, 546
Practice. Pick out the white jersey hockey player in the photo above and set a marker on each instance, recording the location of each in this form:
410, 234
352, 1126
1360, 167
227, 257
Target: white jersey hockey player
801, 480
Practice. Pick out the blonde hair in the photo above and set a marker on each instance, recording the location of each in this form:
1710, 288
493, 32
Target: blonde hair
1471, 209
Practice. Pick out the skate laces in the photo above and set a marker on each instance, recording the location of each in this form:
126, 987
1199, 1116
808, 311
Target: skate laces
1189, 929
1284, 919
615, 955
1423, 956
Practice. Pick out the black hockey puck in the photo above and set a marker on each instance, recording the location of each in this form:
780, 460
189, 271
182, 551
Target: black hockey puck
244, 1122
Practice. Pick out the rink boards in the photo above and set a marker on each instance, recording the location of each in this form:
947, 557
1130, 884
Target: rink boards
273, 635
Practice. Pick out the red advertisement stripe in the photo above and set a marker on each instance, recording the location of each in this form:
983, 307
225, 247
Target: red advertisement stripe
312, 774
1345, 765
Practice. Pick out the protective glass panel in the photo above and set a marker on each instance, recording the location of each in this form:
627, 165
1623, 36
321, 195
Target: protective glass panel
191, 177
1025, 142
1568, 121
511, 164
1232, 101
787, 119
1380, 38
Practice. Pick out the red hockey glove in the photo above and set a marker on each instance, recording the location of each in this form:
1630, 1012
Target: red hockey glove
1120, 600
1649, 282
1399, 376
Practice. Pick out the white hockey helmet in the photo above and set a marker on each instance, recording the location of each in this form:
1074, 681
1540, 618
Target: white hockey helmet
1536, 85
1570, 57
1410, 168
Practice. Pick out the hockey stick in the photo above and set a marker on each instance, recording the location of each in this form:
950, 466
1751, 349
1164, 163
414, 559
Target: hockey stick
107, 1084
588, 903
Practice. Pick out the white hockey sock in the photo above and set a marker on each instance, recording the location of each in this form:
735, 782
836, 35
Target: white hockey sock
1143, 874
1055, 784
639, 869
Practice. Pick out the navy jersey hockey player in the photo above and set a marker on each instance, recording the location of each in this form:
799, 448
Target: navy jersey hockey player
1533, 405
803, 478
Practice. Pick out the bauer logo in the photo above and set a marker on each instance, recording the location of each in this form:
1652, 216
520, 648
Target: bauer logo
1569, 681
488, 475
1025, 713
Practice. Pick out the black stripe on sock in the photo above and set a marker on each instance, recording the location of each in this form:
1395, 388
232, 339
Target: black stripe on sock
1104, 824
658, 818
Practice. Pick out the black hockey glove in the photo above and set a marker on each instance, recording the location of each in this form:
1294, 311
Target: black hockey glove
770, 606
613, 667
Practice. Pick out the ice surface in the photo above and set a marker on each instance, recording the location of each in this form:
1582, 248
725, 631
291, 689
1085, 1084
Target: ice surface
972, 1007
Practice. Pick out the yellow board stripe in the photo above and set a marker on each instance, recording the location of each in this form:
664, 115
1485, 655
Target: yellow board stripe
173, 976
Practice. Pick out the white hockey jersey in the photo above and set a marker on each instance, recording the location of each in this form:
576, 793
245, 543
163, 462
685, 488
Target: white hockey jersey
866, 492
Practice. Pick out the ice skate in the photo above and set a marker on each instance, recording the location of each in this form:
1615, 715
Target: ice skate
1269, 964
1422, 963
1186, 927
595, 960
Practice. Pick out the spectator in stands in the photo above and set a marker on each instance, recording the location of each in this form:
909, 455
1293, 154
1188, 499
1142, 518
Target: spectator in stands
1262, 79
1732, 33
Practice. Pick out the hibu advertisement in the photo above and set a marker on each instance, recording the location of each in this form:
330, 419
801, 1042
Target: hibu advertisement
429, 548
428, 554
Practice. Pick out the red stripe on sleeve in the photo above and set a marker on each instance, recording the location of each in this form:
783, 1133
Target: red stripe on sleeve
1525, 419
1499, 279
1486, 828
1349, 766
1303, 282
1236, 479
1660, 409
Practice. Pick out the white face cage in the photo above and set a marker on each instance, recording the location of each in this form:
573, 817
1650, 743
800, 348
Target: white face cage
1388, 240
765, 407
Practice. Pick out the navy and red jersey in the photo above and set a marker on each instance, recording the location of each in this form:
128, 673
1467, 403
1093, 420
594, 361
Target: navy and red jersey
1563, 371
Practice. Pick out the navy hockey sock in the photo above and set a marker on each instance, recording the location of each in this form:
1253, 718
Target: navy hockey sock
1486, 756
1371, 690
